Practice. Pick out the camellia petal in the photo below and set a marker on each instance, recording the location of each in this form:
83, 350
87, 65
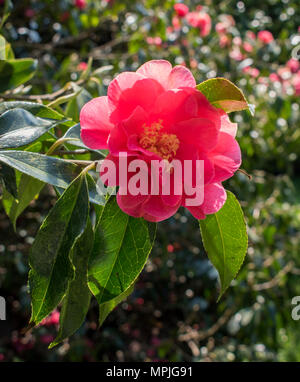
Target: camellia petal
159, 70
226, 157
95, 123
181, 77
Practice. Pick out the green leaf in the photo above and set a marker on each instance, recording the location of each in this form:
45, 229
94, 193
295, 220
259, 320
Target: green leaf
77, 299
225, 240
34, 108
51, 267
18, 128
2, 48
75, 105
28, 189
121, 248
8, 177
55, 171
8, 6
107, 307
95, 197
15, 72
224, 94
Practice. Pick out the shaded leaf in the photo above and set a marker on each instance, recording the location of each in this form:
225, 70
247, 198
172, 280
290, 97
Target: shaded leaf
77, 299
18, 128
75, 105
2, 48
107, 307
51, 267
28, 189
225, 240
8, 6
34, 108
55, 171
8, 177
15, 72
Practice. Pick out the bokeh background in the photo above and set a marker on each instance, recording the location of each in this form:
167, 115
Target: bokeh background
172, 314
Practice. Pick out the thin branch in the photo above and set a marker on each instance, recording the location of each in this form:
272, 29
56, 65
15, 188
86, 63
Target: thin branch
202, 335
48, 97
80, 162
276, 280
72, 152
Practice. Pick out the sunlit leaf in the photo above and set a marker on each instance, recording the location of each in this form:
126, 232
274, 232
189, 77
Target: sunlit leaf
225, 240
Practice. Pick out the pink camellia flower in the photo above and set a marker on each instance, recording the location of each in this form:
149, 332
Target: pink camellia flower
181, 9
80, 4
156, 114
293, 65
265, 37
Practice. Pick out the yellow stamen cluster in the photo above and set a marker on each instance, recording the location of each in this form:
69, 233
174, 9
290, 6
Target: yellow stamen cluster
154, 140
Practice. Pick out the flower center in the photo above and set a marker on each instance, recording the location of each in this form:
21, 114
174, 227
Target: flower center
154, 140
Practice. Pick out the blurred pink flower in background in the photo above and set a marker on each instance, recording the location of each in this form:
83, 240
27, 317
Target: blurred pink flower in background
47, 338
296, 84
52, 319
200, 20
193, 19
237, 41
293, 65
80, 4
224, 41
176, 23
225, 23
265, 37
250, 35
181, 9
221, 28
274, 77
247, 47
30, 13
236, 54
170, 248
65, 16
253, 72
82, 66
157, 41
